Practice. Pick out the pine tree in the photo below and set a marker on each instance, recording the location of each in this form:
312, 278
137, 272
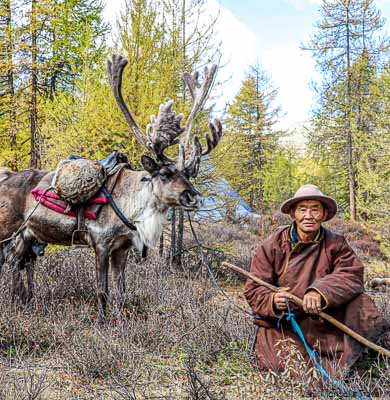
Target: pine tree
163, 39
372, 139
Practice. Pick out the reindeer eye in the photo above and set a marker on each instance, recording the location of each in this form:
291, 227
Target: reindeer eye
164, 176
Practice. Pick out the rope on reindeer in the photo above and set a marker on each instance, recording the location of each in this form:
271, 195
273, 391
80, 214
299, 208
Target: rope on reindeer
21, 227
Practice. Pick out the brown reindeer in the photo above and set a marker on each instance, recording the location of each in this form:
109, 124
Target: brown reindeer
144, 197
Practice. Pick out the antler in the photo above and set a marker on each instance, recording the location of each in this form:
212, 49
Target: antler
166, 128
164, 131
115, 71
199, 93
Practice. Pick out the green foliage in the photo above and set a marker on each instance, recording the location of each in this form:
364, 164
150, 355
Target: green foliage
47, 45
249, 140
75, 112
86, 120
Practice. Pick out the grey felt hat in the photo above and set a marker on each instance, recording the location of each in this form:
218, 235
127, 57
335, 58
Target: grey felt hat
310, 192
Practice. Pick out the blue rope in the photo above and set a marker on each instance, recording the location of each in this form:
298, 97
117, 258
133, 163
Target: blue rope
312, 353
290, 316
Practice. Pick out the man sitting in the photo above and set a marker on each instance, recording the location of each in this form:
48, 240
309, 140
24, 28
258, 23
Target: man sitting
319, 266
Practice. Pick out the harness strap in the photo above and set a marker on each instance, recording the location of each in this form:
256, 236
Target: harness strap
117, 211
80, 218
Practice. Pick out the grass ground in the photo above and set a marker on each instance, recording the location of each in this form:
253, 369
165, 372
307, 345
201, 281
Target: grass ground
176, 338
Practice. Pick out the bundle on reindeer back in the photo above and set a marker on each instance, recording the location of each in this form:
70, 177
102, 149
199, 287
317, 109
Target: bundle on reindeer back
78, 180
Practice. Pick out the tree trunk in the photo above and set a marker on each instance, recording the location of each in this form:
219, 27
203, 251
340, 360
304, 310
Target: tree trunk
180, 234
161, 247
259, 147
177, 260
35, 145
351, 167
173, 237
351, 179
12, 127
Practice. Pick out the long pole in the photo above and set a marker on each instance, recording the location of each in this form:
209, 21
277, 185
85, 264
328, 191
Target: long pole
323, 315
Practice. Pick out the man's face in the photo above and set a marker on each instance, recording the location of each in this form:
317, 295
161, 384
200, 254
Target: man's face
308, 215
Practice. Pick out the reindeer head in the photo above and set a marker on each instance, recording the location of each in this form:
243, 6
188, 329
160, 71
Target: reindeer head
170, 185
170, 176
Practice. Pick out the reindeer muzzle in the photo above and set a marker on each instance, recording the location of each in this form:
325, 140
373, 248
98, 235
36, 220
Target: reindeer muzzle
190, 199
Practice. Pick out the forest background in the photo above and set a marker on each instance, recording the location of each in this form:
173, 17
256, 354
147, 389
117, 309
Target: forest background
55, 99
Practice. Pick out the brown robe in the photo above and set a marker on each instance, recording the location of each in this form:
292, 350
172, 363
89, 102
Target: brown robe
328, 266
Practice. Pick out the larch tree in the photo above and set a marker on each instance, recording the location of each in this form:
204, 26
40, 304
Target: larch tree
43, 56
250, 138
190, 42
373, 142
7, 82
348, 30
163, 39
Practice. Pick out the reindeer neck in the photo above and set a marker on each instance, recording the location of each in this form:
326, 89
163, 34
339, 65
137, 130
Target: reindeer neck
143, 208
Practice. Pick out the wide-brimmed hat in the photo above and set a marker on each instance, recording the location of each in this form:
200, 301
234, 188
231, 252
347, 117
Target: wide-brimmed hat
311, 192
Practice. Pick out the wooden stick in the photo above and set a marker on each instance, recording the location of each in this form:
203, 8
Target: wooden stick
323, 315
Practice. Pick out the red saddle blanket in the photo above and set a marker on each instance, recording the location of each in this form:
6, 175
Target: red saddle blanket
53, 202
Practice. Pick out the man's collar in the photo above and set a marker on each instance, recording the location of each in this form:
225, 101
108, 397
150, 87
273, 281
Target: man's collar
294, 234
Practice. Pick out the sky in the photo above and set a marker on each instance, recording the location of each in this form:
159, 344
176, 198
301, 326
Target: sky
268, 32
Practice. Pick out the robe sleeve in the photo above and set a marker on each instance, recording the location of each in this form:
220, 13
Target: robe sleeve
260, 298
345, 281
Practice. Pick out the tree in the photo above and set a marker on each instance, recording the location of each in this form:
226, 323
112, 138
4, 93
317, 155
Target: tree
372, 140
348, 32
45, 56
249, 139
7, 96
163, 39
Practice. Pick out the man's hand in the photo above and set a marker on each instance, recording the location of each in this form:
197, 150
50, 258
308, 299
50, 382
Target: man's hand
280, 299
312, 302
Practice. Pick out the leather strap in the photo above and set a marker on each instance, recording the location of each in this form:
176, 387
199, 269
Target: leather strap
117, 211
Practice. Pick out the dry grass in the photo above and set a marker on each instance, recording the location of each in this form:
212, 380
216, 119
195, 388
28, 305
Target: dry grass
176, 338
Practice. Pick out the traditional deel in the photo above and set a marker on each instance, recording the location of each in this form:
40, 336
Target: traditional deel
327, 265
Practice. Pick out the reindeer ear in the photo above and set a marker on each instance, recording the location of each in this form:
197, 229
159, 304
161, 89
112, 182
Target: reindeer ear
149, 164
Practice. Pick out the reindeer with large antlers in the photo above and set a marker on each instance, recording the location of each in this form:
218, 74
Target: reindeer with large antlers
144, 197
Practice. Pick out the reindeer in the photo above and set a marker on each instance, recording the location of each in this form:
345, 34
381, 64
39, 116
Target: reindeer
144, 197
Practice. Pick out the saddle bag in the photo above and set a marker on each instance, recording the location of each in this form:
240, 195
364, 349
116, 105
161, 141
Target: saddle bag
77, 180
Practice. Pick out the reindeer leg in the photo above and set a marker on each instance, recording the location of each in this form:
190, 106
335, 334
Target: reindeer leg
30, 264
15, 258
118, 265
18, 288
102, 265
25, 295
2, 257
19, 291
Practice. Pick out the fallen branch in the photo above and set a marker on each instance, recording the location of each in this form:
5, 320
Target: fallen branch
375, 282
323, 315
